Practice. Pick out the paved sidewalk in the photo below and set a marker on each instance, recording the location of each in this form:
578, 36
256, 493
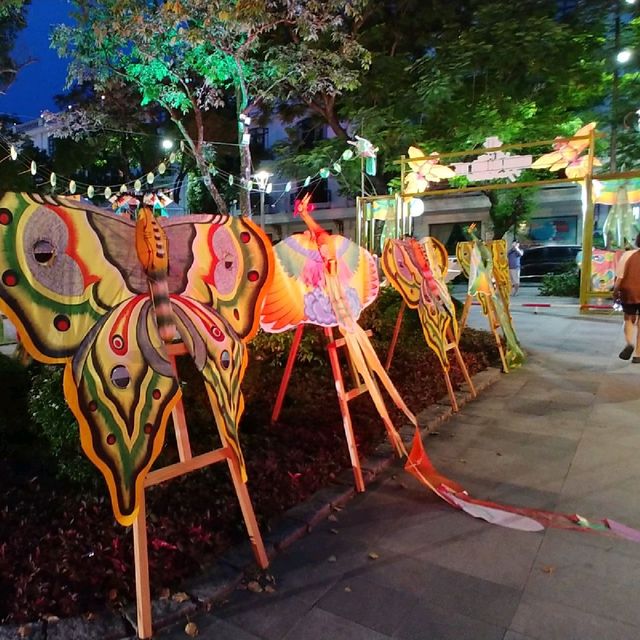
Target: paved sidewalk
397, 562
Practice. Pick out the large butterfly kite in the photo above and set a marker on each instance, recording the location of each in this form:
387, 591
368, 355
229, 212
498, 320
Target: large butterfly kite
103, 295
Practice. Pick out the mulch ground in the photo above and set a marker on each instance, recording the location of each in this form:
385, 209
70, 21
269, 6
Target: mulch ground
63, 554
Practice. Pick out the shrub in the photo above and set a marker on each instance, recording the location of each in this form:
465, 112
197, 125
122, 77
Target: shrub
566, 283
58, 427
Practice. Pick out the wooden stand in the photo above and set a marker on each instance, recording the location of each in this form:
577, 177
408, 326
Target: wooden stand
494, 325
187, 464
452, 345
344, 396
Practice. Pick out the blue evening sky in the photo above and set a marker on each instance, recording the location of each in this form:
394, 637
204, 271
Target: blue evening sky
37, 83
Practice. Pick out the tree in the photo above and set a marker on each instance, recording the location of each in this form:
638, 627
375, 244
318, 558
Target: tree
188, 57
12, 21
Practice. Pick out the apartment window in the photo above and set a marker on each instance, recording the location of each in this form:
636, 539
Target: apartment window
260, 138
310, 132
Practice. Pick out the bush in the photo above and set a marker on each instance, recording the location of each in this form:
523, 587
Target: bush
566, 283
58, 427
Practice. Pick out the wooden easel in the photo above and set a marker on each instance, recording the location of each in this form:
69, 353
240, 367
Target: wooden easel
494, 325
187, 464
452, 345
344, 396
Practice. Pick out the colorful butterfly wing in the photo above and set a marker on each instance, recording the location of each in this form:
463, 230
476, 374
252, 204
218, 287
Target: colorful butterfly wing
439, 172
221, 261
401, 272
463, 254
553, 161
121, 388
357, 273
579, 146
221, 357
298, 271
54, 286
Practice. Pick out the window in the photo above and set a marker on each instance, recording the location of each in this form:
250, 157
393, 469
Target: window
260, 138
310, 132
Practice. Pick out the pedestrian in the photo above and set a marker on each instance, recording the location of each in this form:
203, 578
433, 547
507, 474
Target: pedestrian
514, 255
627, 290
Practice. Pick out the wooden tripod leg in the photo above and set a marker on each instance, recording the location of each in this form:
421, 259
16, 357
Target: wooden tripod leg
465, 314
250, 522
491, 316
394, 337
141, 561
453, 344
344, 409
450, 391
284, 383
180, 422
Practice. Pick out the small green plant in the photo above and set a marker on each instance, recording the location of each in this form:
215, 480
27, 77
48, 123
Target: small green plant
566, 283
56, 424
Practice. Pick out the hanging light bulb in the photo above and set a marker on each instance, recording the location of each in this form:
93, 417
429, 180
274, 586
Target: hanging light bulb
34, 168
150, 177
90, 191
230, 180
337, 168
269, 188
287, 187
162, 167
52, 179
123, 188
72, 187
347, 154
13, 153
307, 181
137, 185
324, 172
172, 157
107, 193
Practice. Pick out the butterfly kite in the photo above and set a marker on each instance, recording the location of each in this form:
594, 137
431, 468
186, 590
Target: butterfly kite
327, 280
103, 295
424, 170
567, 154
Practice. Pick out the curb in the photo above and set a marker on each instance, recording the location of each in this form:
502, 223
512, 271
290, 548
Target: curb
226, 575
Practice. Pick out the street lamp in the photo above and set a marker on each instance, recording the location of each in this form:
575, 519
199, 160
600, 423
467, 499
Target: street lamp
624, 56
262, 180
167, 144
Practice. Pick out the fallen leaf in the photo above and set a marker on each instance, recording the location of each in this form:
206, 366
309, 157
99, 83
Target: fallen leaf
191, 629
332, 518
433, 433
347, 589
332, 559
373, 555
270, 589
462, 460
549, 569
181, 596
254, 586
498, 453
334, 531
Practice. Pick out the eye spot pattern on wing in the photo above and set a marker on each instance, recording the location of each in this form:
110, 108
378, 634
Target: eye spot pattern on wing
226, 271
157, 394
120, 376
111, 439
43, 251
62, 323
6, 217
10, 278
253, 276
225, 359
216, 333
245, 236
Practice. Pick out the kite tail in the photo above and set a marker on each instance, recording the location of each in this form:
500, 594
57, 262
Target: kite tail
375, 365
356, 349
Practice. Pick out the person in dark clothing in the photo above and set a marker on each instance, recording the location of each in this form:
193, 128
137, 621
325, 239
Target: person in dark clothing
627, 290
514, 255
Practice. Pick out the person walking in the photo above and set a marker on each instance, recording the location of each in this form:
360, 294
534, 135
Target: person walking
627, 290
514, 255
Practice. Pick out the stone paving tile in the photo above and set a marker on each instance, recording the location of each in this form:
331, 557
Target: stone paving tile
368, 603
268, 616
544, 619
323, 625
575, 582
209, 627
426, 621
493, 553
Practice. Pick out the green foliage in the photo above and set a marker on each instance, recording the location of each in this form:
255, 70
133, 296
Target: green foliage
510, 207
273, 348
566, 283
58, 427
12, 21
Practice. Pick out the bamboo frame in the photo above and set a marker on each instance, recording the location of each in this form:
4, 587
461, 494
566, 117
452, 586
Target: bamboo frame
187, 463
